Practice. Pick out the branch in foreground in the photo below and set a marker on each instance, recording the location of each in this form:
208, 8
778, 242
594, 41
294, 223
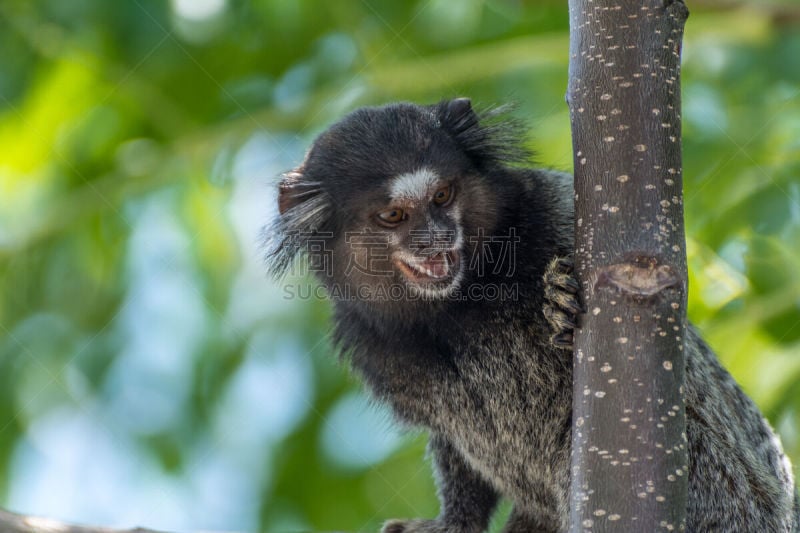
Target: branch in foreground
16, 523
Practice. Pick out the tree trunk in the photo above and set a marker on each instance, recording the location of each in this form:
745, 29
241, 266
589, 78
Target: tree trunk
629, 457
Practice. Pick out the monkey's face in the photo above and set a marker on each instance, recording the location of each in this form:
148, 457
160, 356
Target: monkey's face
423, 223
417, 230
397, 200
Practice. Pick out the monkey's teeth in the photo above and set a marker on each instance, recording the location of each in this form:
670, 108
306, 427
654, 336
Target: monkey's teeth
424, 270
436, 267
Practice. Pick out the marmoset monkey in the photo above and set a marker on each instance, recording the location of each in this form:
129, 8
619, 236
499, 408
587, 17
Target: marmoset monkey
454, 303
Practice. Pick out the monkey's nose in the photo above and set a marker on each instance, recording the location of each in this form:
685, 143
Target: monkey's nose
432, 241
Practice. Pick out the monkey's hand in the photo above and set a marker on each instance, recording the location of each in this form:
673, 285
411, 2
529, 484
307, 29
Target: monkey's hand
561, 306
417, 526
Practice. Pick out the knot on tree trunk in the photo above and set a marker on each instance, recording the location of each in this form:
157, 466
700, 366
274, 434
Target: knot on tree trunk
639, 277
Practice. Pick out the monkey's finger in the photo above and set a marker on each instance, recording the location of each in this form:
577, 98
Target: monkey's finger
559, 320
570, 304
566, 301
565, 264
562, 281
562, 340
570, 284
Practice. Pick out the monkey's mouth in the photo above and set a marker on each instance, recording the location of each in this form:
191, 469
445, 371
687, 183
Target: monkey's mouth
437, 269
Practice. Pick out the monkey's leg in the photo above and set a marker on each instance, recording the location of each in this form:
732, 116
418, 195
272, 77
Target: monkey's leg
561, 306
467, 501
520, 522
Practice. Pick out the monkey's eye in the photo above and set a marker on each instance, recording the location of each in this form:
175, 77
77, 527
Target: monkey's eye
443, 196
392, 216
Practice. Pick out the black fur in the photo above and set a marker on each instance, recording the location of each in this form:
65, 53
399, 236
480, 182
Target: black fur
483, 375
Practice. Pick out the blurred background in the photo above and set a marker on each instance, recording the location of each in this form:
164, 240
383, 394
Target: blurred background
152, 374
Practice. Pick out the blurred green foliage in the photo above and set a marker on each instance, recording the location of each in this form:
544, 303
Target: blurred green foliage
150, 373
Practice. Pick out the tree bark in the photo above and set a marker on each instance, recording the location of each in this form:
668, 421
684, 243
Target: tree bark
629, 457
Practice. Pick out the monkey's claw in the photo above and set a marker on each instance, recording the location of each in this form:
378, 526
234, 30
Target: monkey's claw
414, 526
561, 308
393, 526
562, 340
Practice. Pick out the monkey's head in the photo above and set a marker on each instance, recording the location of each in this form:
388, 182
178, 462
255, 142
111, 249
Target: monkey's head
392, 202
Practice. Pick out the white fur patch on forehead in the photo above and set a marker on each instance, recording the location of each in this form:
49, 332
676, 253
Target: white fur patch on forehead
413, 185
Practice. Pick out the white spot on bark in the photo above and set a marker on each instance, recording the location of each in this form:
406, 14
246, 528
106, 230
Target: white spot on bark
640, 148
